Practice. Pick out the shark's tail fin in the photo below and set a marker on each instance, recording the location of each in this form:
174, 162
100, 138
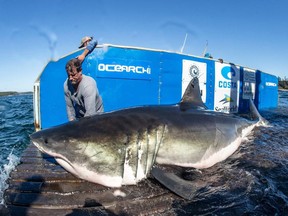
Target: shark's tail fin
255, 114
192, 97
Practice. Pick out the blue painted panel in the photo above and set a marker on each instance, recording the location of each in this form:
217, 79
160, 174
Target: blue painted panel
122, 82
131, 77
126, 77
267, 90
52, 102
210, 82
170, 78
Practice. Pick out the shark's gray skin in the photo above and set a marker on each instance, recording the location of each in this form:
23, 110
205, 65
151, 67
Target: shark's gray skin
121, 147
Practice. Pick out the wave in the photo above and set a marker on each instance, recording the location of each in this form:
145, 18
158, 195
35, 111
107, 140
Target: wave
5, 171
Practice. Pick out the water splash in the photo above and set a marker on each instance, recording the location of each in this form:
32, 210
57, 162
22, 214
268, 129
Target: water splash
5, 171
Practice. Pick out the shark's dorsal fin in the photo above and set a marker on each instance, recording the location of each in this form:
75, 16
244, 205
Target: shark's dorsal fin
192, 97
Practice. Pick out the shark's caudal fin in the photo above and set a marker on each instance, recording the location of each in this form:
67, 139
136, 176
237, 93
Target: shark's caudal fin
255, 114
192, 97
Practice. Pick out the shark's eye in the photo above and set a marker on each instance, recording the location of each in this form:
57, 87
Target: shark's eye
46, 140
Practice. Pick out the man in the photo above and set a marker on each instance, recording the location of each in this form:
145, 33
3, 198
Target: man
81, 93
89, 43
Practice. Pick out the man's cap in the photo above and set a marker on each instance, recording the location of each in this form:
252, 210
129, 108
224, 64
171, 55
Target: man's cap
84, 39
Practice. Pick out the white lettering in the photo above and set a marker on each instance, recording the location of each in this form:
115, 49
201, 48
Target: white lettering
101, 67
132, 68
271, 84
227, 84
123, 68
118, 68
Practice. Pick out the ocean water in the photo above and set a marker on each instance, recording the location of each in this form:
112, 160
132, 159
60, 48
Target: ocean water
253, 181
16, 123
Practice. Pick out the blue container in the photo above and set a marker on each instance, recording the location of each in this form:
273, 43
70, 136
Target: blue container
267, 91
129, 76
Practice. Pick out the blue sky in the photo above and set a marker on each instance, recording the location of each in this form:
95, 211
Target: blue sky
252, 33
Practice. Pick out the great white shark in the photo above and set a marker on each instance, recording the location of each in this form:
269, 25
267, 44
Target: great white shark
123, 147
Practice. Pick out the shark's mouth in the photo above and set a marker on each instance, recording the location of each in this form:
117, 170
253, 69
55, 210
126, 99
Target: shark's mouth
62, 160
81, 171
40, 147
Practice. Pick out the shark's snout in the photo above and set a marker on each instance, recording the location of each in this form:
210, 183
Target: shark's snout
41, 140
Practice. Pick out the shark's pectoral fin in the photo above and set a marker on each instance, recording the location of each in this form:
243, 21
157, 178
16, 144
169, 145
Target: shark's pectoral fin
173, 182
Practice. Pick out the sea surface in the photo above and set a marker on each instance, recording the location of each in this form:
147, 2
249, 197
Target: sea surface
253, 181
16, 123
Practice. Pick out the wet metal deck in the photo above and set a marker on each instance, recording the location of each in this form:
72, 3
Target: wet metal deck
39, 186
